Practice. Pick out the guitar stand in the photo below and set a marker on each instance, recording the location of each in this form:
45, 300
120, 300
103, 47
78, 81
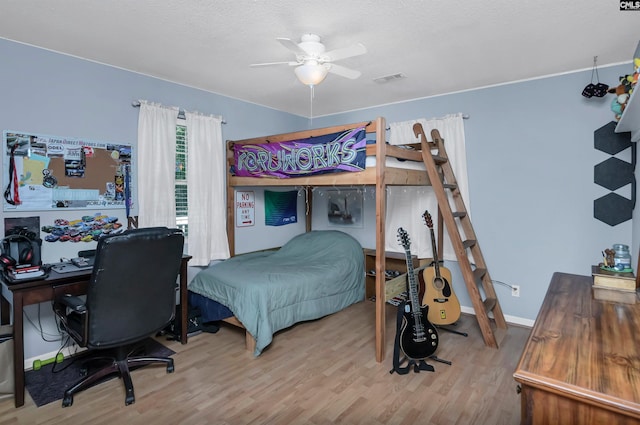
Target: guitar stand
438, 359
418, 365
453, 331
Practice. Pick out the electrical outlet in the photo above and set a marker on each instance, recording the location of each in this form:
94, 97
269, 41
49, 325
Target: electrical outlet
515, 290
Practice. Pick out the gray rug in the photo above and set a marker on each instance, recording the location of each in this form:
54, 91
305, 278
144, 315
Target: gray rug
50, 382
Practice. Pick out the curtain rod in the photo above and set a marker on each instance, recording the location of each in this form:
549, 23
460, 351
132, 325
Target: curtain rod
464, 117
136, 104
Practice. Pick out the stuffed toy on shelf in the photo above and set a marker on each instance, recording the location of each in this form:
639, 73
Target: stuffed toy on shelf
623, 92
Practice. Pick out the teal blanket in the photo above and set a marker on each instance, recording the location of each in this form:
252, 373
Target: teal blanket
313, 275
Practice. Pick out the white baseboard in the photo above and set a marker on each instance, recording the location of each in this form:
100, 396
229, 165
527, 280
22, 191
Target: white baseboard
66, 352
514, 320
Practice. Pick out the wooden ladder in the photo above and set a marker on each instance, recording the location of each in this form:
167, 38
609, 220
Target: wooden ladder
477, 279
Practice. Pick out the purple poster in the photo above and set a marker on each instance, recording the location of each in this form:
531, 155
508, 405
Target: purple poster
338, 152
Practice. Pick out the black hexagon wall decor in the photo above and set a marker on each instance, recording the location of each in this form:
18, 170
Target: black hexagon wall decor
613, 209
605, 139
612, 174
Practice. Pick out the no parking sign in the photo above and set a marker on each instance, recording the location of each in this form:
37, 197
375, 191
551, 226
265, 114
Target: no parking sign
245, 209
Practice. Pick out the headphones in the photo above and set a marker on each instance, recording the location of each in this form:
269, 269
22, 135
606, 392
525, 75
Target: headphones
25, 255
22, 231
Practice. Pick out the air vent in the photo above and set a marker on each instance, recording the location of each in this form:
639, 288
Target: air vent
389, 78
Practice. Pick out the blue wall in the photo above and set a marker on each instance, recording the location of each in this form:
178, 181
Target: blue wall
530, 158
529, 151
52, 94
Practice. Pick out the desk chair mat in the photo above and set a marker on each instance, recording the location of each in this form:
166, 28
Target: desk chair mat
50, 382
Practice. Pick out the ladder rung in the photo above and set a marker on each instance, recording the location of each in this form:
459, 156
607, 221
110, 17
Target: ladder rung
469, 243
439, 159
489, 304
450, 186
460, 214
478, 274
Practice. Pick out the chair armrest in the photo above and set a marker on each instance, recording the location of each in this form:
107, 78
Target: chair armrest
74, 303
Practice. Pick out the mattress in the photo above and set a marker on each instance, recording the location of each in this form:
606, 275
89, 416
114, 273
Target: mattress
397, 163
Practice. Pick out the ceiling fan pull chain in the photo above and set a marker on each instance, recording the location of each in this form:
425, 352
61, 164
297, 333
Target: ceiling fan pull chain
311, 104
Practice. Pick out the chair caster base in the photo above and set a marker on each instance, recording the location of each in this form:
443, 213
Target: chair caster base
67, 400
129, 399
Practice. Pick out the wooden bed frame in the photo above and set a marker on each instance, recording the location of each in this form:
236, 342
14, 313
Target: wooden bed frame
379, 176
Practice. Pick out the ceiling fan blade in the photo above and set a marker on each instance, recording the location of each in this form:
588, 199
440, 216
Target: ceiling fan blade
291, 45
343, 71
255, 65
346, 52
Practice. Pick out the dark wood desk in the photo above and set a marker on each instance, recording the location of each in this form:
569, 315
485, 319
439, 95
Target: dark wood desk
43, 290
581, 364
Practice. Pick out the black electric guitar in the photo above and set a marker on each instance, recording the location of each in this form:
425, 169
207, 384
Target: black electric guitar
444, 307
418, 337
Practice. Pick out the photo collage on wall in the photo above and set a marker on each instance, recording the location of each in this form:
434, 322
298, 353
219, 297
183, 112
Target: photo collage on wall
48, 172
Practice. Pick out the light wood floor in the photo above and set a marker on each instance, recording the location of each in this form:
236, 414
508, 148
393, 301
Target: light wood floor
319, 372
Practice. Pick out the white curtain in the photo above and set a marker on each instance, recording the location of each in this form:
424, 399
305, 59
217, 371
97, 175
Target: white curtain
156, 165
206, 189
406, 205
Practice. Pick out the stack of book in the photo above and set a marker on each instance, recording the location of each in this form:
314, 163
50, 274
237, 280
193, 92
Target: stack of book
25, 272
614, 286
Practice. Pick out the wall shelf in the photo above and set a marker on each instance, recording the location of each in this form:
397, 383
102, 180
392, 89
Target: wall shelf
630, 119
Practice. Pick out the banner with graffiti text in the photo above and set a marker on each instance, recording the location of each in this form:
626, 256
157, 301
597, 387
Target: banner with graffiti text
337, 152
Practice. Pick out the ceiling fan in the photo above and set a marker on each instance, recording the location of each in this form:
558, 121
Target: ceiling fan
313, 62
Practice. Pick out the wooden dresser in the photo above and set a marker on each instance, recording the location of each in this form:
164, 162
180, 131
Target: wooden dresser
581, 364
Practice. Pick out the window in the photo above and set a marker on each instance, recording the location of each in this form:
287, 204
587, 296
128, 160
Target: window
182, 216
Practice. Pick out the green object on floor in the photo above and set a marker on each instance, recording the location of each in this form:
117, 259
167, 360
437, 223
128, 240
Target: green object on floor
37, 364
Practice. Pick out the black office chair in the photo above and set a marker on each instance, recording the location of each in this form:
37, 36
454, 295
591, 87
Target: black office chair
131, 296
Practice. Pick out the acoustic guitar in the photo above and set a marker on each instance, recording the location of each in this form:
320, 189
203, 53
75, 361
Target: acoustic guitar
418, 337
444, 307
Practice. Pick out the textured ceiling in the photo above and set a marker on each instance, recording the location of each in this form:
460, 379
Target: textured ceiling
441, 46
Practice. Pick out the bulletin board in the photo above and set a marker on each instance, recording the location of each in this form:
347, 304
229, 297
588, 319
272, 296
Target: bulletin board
47, 173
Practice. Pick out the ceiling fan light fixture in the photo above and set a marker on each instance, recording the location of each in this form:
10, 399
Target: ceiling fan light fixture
311, 73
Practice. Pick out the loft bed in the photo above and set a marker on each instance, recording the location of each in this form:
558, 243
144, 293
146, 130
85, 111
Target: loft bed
392, 166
